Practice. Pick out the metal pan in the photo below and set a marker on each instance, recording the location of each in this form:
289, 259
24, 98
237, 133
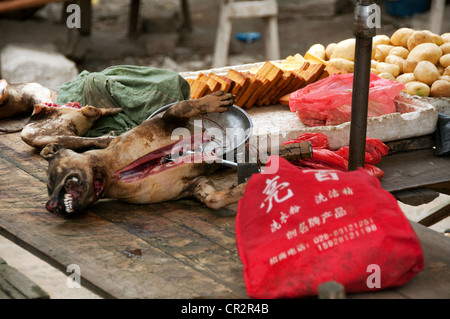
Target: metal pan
234, 128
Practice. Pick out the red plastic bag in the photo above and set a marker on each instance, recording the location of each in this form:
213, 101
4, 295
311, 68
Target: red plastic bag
375, 149
328, 101
297, 229
325, 158
318, 140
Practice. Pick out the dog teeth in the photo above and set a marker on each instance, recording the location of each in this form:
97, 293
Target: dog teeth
68, 202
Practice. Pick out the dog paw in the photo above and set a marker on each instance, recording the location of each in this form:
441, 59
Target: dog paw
218, 101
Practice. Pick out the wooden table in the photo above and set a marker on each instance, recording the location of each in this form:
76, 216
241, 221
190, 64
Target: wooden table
168, 250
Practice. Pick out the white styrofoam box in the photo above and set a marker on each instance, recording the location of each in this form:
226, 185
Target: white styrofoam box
442, 104
413, 118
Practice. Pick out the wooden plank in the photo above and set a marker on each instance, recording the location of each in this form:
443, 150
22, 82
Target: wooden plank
414, 169
24, 157
411, 144
18, 286
380, 294
436, 214
200, 237
188, 239
417, 196
434, 281
3, 295
248, 9
7, 290
443, 187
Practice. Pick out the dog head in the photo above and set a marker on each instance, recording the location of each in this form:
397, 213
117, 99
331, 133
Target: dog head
73, 180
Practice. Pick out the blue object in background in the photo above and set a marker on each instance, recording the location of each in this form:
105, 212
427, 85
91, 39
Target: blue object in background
248, 37
404, 8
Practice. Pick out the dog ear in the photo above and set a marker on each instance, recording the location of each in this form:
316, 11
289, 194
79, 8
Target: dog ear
50, 150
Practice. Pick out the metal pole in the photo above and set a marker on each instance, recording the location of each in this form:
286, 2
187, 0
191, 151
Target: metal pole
361, 79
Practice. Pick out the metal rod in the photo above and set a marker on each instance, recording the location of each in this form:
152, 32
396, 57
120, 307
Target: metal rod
360, 97
361, 80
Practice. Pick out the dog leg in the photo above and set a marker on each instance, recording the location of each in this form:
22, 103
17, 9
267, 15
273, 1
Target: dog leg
72, 142
203, 189
184, 110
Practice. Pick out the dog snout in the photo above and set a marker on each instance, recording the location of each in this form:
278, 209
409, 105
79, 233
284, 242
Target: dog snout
53, 206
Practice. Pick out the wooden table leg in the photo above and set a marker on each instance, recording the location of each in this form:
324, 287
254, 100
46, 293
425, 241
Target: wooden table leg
187, 25
133, 17
86, 16
437, 15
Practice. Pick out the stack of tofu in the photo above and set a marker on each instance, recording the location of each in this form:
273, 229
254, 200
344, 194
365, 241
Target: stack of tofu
271, 83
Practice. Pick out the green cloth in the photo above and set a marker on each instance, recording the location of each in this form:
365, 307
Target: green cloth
138, 90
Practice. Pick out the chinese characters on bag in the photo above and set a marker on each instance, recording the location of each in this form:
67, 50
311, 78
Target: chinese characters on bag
277, 192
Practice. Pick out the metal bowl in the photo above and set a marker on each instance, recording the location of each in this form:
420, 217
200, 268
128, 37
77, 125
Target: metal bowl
231, 129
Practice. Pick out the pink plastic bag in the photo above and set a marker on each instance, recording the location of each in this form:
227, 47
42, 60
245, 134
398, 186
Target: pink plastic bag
328, 101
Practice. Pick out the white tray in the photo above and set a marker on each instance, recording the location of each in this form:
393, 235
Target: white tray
413, 118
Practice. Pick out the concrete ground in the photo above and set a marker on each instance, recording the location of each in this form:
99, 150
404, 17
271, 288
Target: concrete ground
162, 46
